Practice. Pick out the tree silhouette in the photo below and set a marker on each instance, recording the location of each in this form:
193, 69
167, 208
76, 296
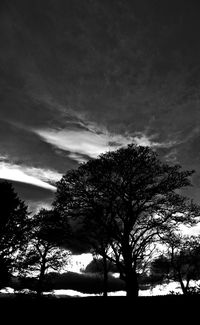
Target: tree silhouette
181, 262
42, 254
127, 198
160, 269
13, 229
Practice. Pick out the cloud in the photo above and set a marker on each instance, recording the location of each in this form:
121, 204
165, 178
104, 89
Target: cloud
76, 83
46, 175
88, 143
80, 143
29, 175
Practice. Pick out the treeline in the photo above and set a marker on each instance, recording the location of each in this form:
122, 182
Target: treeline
119, 207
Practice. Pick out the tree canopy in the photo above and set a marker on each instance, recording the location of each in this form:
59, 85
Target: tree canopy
181, 262
13, 225
125, 200
42, 252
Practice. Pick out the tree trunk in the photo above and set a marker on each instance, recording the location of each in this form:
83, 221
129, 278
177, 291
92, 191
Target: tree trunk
130, 274
187, 283
105, 276
183, 287
132, 287
41, 280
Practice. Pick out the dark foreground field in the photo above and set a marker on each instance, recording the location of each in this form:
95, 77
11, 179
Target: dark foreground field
98, 310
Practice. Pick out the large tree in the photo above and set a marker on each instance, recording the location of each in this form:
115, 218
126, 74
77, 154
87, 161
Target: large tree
13, 227
127, 199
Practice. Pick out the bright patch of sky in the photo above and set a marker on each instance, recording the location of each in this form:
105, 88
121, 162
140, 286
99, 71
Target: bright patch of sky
84, 143
189, 231
30, 175
79, 262
92, 142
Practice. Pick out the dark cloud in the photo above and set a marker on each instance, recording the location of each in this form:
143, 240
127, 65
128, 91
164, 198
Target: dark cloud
130, 67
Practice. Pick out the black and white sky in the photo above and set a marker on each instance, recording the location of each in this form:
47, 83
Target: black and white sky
80, 77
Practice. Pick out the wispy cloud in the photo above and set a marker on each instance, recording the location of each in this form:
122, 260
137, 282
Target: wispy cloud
142, 139
30, 175
81, 143
91, 142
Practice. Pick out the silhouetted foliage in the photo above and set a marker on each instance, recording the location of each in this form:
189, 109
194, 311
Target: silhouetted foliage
42, 253
13, 229
181, 262
125, 199
96, 266
160, 270
5, 271
82, 282
103, 267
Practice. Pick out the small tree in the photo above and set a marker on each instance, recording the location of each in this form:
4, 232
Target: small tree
181, 262
13, 229
160, 270
130, 198
42, 254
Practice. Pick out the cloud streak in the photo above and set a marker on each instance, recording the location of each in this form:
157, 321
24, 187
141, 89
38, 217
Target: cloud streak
29, 175
80, 143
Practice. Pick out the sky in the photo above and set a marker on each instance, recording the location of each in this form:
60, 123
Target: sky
78, 78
